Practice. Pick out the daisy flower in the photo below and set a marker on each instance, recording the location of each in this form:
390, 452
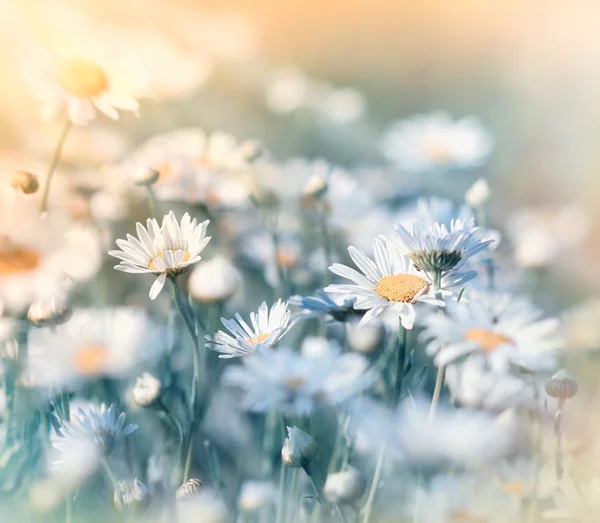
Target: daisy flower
94, 343
167, 250
322, 305
32, 252
101, 425
441, 239
296, 382
391, 282
80, 84
435, 141
506, 330
268, 327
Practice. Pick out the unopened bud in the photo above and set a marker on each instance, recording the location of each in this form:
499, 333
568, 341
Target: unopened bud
189, 490
135, 495
561, 385
345, 487
146, 391
25, 181
49, 312
478, 194
147, 177
299, 448
315, 186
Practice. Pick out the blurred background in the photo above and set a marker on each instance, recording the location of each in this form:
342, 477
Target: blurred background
323, 79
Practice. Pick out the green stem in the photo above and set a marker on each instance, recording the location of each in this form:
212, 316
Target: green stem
439, 380
53, 164
152, 202
326, 242
171, 419
537, 452
558, 435
368, 510
281, 496
69, 508
402, 338
115, 484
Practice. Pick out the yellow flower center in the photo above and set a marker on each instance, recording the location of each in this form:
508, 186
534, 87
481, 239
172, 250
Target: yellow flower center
294, 382
464, 516
437, 150
287, 258
259, 339
91, 360
82, 78
488, 340
400, 287
152, 265
515, 488
15, 259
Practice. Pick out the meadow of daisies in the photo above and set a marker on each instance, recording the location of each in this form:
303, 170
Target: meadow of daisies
202, 331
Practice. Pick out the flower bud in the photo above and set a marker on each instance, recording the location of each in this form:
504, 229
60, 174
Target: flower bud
561, 385
214, 281
49, 312
255, 495
146, 391
147, 178
136, 496
315, 186
478, 194
189, 490
25, 181
299, 448
251, 150
345, 487
364, 338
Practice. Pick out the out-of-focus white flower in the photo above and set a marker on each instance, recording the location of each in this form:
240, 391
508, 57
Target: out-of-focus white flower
472, 383
50, 312
287, 91
136, 496
215, 280
255, 495
462, 498
582, 326
343, 105
295, 383
77, 84
539, 234
365, 337
299, 448
147, 390
442, 238
268, 327
205, 506
391, 282
478, 194
100, 425
576, 501
506, 330
344, 487
167, 250
322, 305
94, 342
194, 167
31, 250
436, 141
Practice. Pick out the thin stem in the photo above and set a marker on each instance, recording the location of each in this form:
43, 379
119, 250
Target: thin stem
439, 379
115, 484
172, 420
281, 496
558, 434
323, 226
53, 164
188, 456
152, 202
400, 365
368, 510
537, 453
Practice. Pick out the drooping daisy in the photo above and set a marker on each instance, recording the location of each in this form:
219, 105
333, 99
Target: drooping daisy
167, 250
322, 305
31, 252
94, 343
79, 84
391, 282
436, 141
101, 425
441, 239
268, 327
295, 383
507, 331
